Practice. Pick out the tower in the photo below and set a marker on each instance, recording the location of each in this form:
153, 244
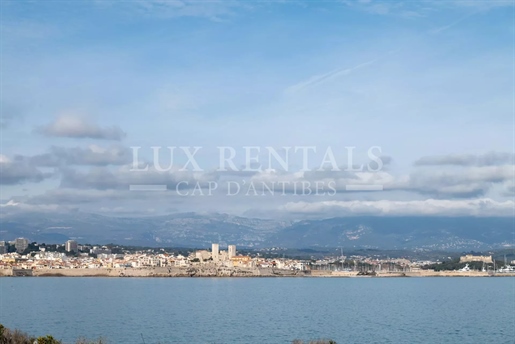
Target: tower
71, 246
21, 244
215, 251
232, 251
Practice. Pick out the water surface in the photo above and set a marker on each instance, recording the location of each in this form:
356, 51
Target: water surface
263, 310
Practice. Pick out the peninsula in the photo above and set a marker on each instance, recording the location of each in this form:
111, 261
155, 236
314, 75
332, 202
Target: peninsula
21, 258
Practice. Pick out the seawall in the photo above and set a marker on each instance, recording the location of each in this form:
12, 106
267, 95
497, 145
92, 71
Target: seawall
236, 272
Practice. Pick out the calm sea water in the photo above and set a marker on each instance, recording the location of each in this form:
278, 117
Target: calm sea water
263, 310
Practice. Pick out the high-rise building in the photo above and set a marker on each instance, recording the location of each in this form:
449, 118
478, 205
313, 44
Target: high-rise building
21, 244
3, 248
215, 252
232, 251
71, 246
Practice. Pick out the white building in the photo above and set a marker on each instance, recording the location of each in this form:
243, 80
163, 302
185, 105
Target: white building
215, 252
232, 251
203, 255
472, 258
71, 246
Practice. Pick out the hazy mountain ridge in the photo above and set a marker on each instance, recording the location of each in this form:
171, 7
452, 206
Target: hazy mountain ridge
400, 232
200, 230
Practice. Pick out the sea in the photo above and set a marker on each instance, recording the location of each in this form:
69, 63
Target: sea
262, 310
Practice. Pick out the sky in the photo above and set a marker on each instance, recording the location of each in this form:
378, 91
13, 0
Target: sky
424, 87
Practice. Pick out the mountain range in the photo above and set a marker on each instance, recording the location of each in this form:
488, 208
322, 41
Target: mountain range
200, 230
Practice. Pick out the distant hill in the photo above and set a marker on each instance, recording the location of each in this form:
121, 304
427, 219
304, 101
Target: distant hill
196, 230
435, 233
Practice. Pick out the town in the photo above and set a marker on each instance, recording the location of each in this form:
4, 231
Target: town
23, 258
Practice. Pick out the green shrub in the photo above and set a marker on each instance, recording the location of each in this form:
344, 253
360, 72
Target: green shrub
48, 340
8, 336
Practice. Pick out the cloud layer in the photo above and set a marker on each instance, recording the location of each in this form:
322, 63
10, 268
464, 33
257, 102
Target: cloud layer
420, 79
19, 171
476, 207
79, 127
487, 159
93, 155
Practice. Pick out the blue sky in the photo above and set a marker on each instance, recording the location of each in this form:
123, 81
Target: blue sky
419, 79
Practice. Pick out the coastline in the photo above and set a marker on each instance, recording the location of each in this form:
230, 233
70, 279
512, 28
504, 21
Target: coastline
264, 272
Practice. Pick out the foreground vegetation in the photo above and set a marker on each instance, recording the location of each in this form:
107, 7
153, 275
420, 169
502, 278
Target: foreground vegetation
8, 336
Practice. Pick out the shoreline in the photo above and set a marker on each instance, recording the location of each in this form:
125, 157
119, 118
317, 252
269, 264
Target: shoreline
228, 273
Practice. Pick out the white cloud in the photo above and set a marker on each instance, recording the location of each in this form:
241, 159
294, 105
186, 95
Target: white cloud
486, 159
93, 155
322, 78
4, 159
102, 178
476, 207
12, 206
79, 127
